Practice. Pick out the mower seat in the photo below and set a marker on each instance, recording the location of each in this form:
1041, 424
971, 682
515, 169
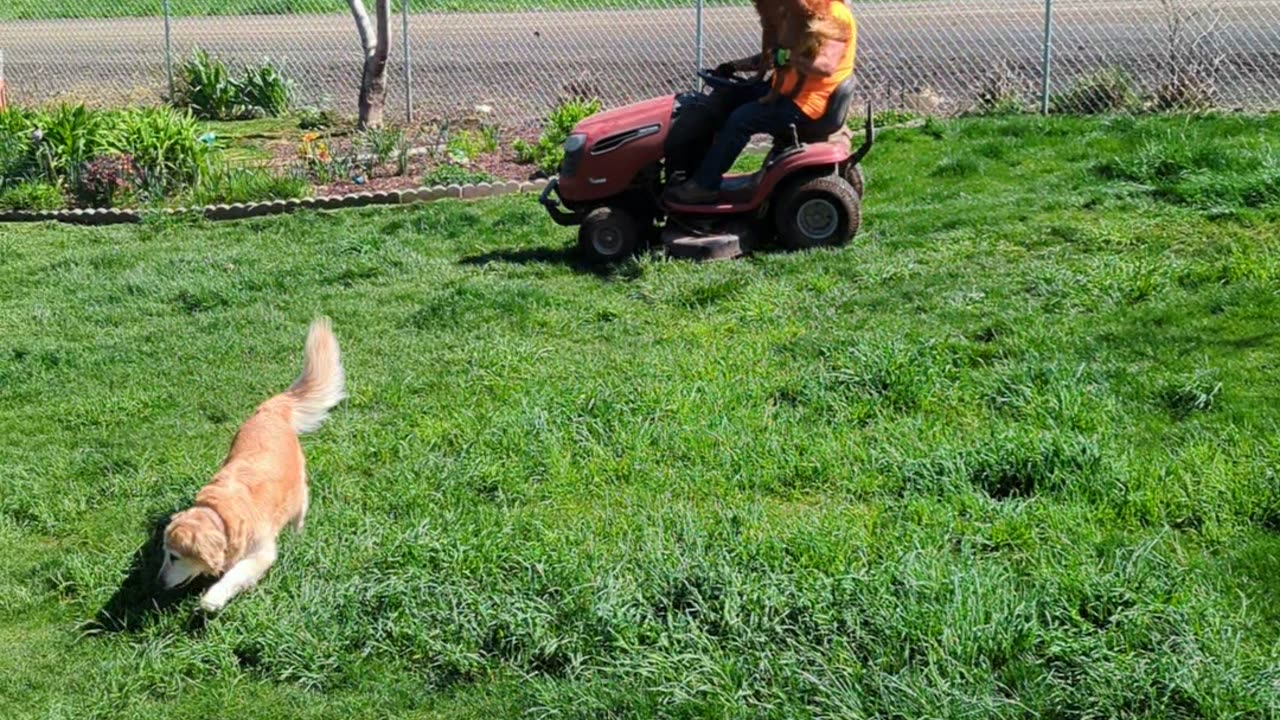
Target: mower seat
831, 122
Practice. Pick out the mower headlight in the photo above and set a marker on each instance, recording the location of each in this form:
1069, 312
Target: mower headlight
574, 147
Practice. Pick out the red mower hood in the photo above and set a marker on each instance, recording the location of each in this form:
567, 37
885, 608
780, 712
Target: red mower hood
619, 144
630, 117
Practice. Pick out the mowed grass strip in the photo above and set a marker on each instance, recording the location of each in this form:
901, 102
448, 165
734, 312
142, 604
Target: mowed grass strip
1012, 453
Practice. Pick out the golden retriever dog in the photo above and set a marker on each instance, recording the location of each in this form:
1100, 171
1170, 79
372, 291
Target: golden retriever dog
231, 531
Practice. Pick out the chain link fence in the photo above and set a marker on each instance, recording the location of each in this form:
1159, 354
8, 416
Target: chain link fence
523, 56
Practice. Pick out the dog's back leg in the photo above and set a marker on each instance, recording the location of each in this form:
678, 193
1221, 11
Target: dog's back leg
301, 518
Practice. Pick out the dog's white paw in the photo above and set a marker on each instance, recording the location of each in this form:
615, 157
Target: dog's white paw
212, 602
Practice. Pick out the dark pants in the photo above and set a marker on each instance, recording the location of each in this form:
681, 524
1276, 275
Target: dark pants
732, 116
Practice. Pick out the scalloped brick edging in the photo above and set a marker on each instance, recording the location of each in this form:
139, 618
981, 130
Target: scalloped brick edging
239, 211
91, 216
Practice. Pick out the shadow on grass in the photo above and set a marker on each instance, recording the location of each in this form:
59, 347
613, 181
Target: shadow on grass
571, 257
141, 597
568, 256
1248, 342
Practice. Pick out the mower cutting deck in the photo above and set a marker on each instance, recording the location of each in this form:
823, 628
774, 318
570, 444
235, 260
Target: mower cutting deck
807, 194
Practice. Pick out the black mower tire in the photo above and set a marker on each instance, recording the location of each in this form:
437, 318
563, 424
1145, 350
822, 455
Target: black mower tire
830, 199
853, 176
608, 234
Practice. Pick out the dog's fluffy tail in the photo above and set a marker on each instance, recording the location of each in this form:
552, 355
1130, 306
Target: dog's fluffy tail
322, 384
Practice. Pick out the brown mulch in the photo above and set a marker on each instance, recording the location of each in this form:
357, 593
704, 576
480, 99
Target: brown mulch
503, 165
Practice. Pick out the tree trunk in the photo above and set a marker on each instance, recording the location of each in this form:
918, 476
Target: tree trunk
373, 81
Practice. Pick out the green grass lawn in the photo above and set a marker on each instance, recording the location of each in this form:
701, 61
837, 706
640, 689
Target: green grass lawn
1013, 453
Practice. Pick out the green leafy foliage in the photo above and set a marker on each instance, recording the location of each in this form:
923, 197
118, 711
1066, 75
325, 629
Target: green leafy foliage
453, 174
312, 118
467, 145
31, 195
207, 87
247, 185
548, 152
165, 144
163, 147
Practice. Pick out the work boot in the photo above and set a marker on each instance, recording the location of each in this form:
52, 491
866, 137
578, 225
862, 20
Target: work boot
691, 193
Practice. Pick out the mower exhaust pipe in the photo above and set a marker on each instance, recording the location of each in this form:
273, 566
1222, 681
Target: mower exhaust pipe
870, 139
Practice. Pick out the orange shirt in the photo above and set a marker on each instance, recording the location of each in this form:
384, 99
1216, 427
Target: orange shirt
814, 90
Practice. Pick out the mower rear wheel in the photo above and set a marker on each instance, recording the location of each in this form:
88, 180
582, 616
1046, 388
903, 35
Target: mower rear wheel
608, 234
819, 212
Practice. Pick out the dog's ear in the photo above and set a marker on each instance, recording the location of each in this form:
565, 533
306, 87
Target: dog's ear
210, 546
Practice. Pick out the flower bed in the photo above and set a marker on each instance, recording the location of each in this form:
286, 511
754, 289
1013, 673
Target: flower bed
72, 157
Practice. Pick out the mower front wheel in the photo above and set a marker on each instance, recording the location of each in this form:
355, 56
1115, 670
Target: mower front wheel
853, 176
820, 212
608, 234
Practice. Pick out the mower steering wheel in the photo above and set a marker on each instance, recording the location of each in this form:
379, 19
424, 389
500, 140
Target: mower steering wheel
719, 81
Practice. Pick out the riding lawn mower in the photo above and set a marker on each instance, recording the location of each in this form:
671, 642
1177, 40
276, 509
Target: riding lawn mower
808, 192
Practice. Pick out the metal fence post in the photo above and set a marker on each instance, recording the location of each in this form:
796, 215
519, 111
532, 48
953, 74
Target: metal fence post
1048, 57
698, 44
408, 64
168, 49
